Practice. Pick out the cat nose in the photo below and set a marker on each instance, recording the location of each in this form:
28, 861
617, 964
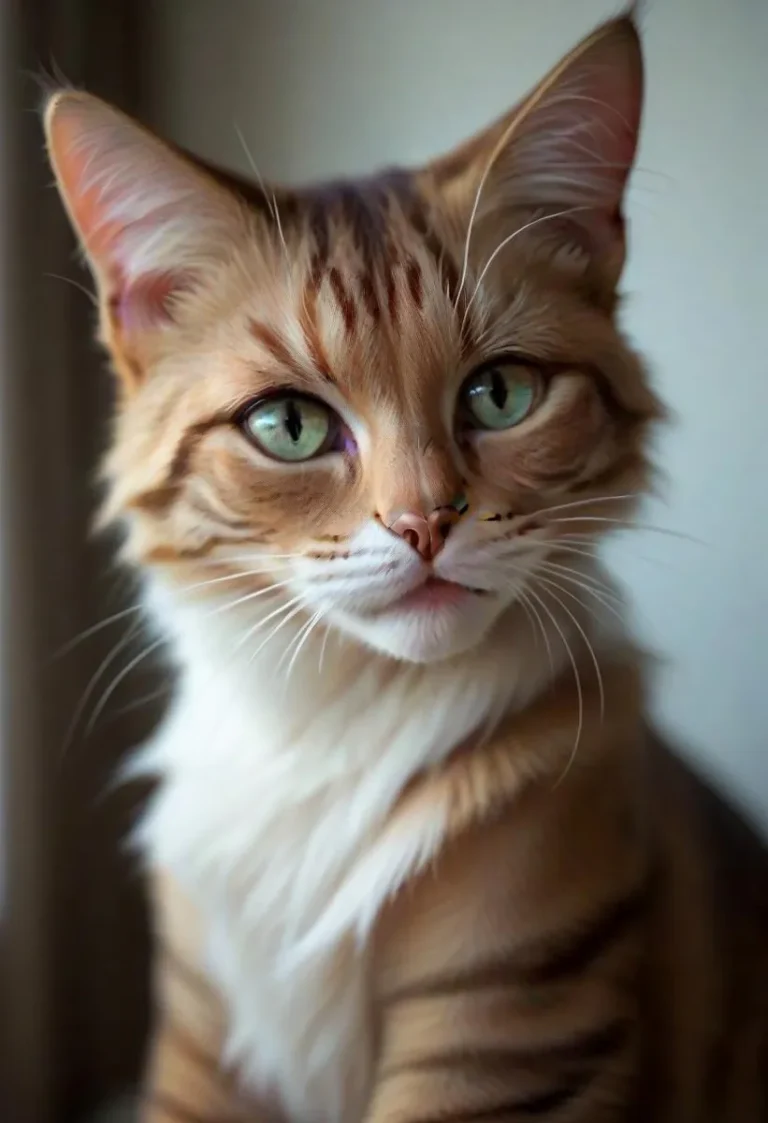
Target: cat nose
426, 535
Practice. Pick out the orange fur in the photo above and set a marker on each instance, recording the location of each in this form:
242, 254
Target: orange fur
546, 915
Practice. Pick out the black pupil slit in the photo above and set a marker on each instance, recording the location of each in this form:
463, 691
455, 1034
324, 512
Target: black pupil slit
499, 392
292, 419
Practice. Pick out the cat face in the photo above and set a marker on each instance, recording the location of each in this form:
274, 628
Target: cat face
379, 405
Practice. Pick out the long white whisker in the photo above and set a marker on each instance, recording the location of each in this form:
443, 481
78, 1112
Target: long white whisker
308, 629
93, 682
529, 617
75, 285
296, 639
588, 578
281, 623
267, 194
525, 600
252, 558
585, 503
579, 551
598, 596
239, 576
505, 242
322, 649
265, 620
598, 674
99, 709
248, 597
629, 524
577, 679
94, 628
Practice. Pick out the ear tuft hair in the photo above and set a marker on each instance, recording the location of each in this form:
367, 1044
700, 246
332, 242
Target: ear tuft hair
147, 217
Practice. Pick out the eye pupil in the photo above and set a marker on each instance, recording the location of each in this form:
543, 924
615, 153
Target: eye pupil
293, 423
499, 392
500, 395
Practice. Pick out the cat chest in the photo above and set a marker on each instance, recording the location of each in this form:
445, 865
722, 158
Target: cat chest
300, 1021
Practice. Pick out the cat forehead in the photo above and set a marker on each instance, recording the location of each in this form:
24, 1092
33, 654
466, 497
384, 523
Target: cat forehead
379, 219
370, 259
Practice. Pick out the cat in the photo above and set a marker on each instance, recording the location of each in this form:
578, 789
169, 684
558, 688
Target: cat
415, 852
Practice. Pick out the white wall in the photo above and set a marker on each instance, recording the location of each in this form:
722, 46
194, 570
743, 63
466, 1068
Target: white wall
342, 85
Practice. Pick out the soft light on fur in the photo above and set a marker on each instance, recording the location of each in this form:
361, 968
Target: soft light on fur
404, 836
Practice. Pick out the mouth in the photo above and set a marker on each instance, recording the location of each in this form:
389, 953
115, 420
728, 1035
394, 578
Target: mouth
435, 593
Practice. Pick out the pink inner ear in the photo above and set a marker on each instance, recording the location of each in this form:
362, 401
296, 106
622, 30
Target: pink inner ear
147, 302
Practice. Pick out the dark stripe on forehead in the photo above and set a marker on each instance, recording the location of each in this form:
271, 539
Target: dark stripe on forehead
363, 206
416, 213
369, 296
272, 342
392, 297
308, 321
343, 299
413, 278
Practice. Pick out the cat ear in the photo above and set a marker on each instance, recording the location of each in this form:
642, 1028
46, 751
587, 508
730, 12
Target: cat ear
150, 221
567, 150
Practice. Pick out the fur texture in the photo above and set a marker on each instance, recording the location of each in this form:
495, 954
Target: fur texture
404, 838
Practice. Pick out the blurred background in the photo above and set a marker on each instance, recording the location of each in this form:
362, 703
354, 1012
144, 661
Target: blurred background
321, 87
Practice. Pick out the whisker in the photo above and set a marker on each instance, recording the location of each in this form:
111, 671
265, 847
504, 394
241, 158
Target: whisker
75, 285
265, 620
94, 628
296, 639
577, 679
584, 636
585, 503
144, 700
252, 558
267, 195
598, 596
99, 708
308, 629
243, 574
248, 597
505, 242
588, 578
562, 545
299, 608
93, 682
579, 551
322, 649
630, 525
529, 617
525, 600
498, 148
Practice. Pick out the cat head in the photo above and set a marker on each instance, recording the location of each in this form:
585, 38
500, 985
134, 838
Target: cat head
383, 403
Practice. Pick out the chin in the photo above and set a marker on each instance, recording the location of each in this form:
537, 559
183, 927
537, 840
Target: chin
426, 633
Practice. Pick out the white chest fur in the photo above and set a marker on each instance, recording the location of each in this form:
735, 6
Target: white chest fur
271, 814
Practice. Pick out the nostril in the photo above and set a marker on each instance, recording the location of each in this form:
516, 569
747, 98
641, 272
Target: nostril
414, 530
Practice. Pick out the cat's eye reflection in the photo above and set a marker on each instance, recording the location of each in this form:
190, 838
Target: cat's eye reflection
290, 427
500, 395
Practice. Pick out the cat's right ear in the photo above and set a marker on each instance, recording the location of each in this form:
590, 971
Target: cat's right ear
150, 221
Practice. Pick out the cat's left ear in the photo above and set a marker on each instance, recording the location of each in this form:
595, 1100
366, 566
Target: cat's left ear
152, 223
563, 156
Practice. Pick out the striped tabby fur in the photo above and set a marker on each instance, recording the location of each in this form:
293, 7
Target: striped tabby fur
415, 855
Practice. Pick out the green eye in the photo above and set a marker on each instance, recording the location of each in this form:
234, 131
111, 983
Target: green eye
289, 428
501, 396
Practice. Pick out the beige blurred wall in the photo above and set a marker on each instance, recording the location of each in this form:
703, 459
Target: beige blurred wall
334, 86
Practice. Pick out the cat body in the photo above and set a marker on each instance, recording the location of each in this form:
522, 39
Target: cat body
414, 853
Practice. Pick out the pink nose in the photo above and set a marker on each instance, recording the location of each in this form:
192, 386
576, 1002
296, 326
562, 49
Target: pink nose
426, 535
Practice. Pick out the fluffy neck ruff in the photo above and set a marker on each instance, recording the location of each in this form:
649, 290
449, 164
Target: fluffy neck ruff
291, 809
